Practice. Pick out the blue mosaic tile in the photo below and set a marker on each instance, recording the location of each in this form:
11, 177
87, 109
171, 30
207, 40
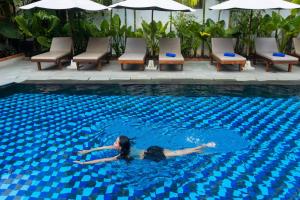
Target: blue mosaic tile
41, 131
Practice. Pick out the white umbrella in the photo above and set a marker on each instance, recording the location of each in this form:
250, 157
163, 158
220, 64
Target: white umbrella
66, 5
255, 5
161, 5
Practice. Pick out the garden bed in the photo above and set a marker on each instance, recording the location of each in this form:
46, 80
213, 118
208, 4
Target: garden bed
11, 57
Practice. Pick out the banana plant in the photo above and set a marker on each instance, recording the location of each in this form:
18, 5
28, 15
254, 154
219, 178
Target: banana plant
41, 26
152, 32
118, 35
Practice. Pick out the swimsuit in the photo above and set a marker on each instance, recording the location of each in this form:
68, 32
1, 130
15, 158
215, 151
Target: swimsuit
154, 153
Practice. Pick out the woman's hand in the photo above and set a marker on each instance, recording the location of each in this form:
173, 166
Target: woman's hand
211, 144
78, 162
83, 152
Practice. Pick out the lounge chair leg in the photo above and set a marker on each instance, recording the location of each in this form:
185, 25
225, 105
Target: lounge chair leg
58, 62
99, 65
218, 67
290, 68
39, 66
122, 66
267, 67
211, 60
78, 66
107, 59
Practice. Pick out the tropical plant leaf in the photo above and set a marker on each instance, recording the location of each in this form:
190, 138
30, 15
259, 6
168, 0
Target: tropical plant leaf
9, 30
23, 25
44, 41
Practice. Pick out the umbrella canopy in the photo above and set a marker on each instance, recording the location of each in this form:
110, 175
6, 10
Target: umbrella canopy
255, 5
161, 5
66, 5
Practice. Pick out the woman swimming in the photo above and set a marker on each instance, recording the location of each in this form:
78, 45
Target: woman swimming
155, 153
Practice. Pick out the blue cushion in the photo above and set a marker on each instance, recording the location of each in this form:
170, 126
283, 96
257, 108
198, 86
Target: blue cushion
171, 54
278, 54
229, 54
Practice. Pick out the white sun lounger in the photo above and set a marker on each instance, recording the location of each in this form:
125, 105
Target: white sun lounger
97, 50
135, 52
224, 45
265, 47
61, 48
170, 45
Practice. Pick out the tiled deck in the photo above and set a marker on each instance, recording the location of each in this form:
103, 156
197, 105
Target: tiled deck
22, 70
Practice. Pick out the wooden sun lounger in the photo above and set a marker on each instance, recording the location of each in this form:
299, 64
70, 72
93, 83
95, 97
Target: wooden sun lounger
171, 45
219, 47
135, 52
97, 50
61, 48
265, 47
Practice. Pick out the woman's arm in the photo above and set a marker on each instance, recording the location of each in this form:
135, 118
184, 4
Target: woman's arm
95, 149
169, 153
97, 161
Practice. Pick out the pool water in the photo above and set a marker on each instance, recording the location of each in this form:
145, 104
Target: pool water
256, 129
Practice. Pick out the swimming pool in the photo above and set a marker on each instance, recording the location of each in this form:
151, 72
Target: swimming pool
256, 128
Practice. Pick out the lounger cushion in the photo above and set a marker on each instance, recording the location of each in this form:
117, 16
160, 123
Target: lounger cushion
98, 45
136, 45
265, 45
222, 45
89, 56
270, 56
132, 56
61, 44
53, 56
237, 57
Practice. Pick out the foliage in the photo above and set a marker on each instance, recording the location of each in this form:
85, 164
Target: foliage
295, 11
9, 30
152, 32
188, 30
192, 33
40, 26
213, 29
285, 29
6, 50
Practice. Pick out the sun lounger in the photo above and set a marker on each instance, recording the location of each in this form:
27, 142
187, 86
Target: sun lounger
266, 47
135, 52
296, 44
170, 52
97, 50
222, 47
61, 48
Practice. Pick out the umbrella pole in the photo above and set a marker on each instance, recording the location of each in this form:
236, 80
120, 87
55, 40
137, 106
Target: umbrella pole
134, 15
171, 16
152, 13
72, 30
125, 17
250, 27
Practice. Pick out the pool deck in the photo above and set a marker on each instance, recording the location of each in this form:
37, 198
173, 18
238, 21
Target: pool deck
195, 72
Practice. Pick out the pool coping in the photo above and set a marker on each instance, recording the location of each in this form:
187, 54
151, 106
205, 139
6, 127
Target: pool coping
165, 81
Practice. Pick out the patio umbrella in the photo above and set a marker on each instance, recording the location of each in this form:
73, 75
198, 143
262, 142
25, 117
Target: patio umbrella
160, 5
66, 5
254, 5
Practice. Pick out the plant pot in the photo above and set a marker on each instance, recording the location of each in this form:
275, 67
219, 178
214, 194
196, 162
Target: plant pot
28, 47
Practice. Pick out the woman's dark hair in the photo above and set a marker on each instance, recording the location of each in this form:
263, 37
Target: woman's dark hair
124, 143
154, 153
